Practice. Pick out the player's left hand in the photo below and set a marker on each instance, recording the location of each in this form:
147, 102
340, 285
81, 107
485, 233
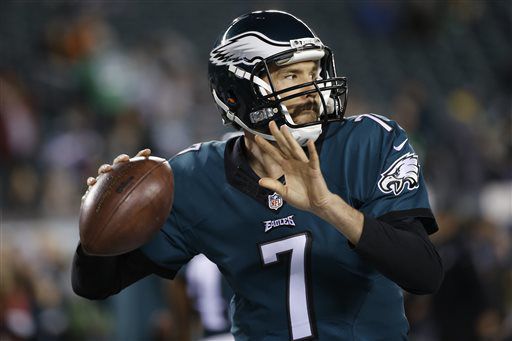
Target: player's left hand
304, 187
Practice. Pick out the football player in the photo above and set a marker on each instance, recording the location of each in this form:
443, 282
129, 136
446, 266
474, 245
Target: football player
317, 221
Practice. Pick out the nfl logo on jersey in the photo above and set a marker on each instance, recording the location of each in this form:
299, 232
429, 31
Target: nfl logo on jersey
275, 201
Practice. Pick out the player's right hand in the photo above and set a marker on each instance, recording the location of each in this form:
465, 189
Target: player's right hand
105, 168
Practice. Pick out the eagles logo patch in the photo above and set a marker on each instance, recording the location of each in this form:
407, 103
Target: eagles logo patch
403, 173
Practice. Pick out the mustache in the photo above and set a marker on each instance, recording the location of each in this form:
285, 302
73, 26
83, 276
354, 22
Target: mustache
309, 105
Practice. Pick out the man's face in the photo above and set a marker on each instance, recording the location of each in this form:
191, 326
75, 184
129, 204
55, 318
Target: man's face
303, 109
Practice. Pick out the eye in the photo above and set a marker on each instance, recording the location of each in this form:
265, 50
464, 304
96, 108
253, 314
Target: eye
290, 76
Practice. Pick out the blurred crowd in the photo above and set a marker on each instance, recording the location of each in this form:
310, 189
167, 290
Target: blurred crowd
87, 99
76, 89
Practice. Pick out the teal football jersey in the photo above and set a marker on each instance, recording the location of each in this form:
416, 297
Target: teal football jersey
294, 276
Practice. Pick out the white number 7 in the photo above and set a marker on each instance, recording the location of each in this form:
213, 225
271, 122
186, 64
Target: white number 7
299, 248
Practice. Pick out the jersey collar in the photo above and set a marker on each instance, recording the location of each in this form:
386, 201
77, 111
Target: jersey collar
241, 176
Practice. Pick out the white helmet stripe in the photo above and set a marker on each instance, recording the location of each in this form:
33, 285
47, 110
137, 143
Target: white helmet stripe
243, 74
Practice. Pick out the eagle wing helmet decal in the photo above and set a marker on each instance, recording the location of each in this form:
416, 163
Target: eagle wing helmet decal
247, 48
404, 172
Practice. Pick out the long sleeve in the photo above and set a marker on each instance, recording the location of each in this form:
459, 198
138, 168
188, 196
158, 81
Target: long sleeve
96, 277
402, 251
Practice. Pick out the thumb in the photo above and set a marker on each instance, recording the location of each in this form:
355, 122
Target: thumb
272, 185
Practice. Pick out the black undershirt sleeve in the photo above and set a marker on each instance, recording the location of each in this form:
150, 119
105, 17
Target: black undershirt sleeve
402, 251
98, 277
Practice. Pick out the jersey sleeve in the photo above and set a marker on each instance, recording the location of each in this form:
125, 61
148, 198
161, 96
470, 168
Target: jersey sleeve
171, 247
398, 190
174, 244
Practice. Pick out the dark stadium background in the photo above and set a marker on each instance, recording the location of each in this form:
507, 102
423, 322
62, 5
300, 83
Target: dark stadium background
83, 81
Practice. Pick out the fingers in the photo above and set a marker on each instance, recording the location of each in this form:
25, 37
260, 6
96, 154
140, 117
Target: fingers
91, 181
296, 150
105, 168
287, 143
121, 158
125, 158
273, 185
280, 139
144, 152
269, 149
314, 160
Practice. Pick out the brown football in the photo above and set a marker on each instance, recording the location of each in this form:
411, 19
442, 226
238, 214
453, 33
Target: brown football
126, 206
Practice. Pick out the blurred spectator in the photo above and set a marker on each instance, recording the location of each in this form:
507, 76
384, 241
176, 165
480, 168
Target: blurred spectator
19, 131
473, 302
210, 295
21, 134
461, 301
18, 298
198, 299
35, 299
491, 251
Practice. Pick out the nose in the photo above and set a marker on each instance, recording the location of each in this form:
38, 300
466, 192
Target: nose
313, 94
309, 87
